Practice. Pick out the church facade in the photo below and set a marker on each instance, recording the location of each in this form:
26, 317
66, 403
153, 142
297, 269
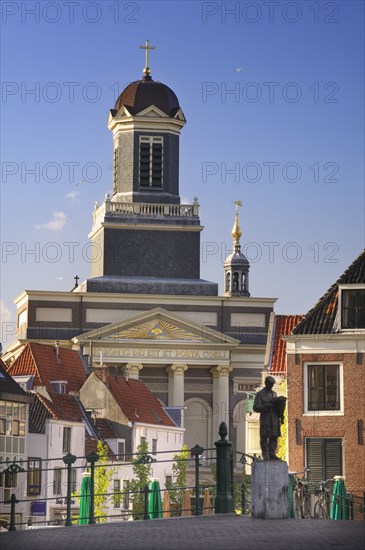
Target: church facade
145, 312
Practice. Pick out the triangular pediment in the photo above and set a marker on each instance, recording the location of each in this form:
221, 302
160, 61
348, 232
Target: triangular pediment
156, 325
153, 112
123, 112
180, 116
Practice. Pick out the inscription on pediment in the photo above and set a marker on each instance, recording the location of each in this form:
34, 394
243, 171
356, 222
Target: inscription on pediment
155, 330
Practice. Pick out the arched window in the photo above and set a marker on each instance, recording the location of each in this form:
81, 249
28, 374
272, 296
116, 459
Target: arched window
197, 423
228, 281
235, 281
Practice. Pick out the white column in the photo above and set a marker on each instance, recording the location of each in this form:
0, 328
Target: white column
131, 370
176, 385
220, 397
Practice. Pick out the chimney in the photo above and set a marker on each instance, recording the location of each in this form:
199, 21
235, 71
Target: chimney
57, 350
103, 374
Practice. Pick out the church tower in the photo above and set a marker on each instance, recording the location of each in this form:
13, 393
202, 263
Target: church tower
236, 266
144, 240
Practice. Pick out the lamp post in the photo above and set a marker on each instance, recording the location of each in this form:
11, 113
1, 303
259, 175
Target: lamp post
69, 459
223, 501
92, 458
197, 451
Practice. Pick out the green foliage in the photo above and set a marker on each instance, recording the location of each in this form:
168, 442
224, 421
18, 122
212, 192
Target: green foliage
283, 440
102, 479
142, 470
177, 488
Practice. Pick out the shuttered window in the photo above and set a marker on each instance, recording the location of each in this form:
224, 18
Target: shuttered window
150, 161
324, 458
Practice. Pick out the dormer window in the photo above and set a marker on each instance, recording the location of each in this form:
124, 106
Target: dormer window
59, 386
150, 161
352, 306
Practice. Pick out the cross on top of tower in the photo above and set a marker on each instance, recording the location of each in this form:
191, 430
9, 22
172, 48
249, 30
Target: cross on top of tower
147, 47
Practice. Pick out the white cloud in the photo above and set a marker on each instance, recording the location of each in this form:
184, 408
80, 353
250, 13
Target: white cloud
72, 195
185, 200
56, 223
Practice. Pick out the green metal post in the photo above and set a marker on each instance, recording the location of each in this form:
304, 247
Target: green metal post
224, 502
231, 464
92, 458
69, 459
13, 501
243, 497
146, 492
197, 451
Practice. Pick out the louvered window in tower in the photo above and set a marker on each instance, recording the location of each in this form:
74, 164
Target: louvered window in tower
150, 161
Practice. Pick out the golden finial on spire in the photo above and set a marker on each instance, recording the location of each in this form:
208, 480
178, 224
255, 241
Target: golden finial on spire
147, 47
236, 231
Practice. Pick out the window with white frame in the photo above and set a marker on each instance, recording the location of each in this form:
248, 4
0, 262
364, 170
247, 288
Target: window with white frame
323, 388
253, 437
57, 481
9, 482
150, 161
73, 480
154, 446
66, 443
352, 299
121, 450
58, 386
117, 497
34, 476
12, 429
125, 501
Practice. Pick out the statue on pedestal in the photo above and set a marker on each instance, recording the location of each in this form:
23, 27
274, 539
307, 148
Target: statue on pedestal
271, 409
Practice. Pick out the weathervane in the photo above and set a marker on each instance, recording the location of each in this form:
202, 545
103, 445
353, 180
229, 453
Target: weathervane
147, 47
236, 231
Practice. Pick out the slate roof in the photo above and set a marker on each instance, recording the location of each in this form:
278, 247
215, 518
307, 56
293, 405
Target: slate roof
136, 401
62, 407
70, 409
322, 317
9, 388
141, 94
283, 325
40, 360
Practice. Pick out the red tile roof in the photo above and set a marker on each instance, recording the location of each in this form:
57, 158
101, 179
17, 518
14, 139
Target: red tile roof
103, 428
9, 387
284, 324
321, 318
62, 407
136, 401
40, 360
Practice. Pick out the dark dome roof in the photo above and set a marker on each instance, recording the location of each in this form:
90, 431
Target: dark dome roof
141, 94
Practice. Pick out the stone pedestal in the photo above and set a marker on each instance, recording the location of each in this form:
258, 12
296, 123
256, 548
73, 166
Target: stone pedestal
269, 489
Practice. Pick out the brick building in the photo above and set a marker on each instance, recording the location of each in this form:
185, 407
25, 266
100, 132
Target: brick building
325, 373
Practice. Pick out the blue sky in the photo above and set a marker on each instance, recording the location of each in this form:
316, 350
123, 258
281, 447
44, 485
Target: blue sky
273, 96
